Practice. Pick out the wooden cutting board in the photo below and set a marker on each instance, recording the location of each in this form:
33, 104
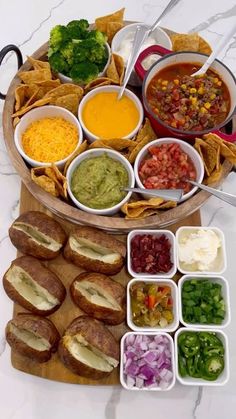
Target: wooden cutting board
54, 369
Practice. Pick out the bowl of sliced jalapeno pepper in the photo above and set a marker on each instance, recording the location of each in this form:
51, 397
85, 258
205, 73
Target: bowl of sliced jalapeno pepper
202, 357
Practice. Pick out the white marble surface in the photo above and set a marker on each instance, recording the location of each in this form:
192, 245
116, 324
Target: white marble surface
27, 24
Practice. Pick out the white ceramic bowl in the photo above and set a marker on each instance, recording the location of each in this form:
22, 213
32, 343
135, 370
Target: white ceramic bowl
160, 36
89, 135
187, 148
156, 233
93, 153
221, 264
191, 381
174, 295
122, 378
225, 294
66, 79
40, 113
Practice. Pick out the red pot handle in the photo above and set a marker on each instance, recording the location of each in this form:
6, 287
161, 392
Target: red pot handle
231, 138
153, 49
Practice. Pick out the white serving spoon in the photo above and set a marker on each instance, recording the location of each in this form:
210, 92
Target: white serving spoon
223, 42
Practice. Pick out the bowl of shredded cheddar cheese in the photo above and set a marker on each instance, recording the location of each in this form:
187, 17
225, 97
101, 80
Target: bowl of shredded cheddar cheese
48, 135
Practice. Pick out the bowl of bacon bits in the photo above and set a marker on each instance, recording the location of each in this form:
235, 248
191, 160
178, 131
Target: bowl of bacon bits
147, 361
151, 254
169, 163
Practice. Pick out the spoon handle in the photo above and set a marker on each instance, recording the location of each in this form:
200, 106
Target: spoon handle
223, 42
167, 194
224, 196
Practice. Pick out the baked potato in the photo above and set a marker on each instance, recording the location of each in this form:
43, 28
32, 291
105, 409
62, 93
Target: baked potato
99, 296
88, 348
95, 251
35, 233
32, 336
29, 283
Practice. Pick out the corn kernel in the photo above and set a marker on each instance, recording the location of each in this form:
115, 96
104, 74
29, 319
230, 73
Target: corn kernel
203, 110
163, 88
164, 83
183, 86
213, 95
176, 81
207, 105
193, 90
193, 100
219, 83
200, 90
215, 79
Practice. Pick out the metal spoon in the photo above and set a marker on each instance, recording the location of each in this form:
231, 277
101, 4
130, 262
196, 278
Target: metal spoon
224, 196
223, 42
141, 34
167, 194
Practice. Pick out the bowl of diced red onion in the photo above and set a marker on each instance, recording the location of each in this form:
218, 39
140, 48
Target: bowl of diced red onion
168, 163
147, 361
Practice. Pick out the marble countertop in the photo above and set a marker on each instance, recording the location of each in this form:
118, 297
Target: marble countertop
27, 24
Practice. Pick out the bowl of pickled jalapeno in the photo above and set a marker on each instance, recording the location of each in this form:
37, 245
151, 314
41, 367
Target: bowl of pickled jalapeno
152, 305
201, 357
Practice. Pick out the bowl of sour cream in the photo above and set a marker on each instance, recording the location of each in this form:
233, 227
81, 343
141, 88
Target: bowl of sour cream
123, 41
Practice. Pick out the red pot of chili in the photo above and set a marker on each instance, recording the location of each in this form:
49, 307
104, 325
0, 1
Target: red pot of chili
182, 106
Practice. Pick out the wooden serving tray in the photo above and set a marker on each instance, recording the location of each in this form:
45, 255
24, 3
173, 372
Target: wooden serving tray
54, 369
67, 210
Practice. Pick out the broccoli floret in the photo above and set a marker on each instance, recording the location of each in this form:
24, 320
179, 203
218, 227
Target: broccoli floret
58, 63
84, 72
98, 36
77, 29
67, 52
90, 50
58, 36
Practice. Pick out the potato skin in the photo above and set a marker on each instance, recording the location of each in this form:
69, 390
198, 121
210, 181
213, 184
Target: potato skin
96, 334
99, 237
40, 274
46, 225
43, 327
116, 290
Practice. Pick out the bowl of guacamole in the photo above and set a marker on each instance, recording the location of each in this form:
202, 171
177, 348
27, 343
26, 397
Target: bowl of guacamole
96, 178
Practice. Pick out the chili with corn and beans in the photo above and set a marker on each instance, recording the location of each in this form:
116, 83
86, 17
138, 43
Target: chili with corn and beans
188, 103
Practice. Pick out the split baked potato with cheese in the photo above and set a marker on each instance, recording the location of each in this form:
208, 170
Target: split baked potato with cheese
89, 349
95, 250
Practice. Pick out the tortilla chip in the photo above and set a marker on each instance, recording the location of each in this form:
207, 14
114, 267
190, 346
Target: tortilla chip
99, 144
204, 47
185, 42
146, 131
65, 89
215, 176
44, 181
118, 144
69, 102
46, 86
112, 28
59, 179
134, 152
208, 154
38, 64
116, 69
16, 121
83, 146
33, 76
100, 81
101, 23
226, 150
145, 208
36, 104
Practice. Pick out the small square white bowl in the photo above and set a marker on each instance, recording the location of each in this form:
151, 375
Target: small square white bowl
225, 294
122, 378
190, 381
174, 294
222, 263
156, 233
